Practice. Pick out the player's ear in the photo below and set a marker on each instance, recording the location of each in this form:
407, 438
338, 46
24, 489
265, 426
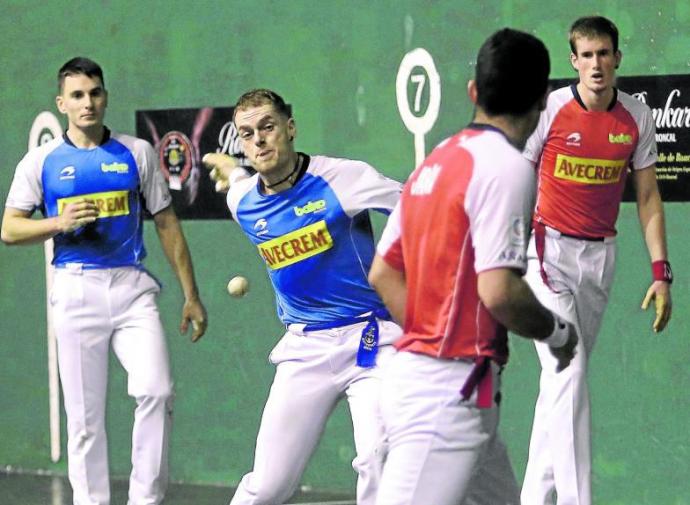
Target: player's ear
573, 61
619, 57
292, 129
60, 103
472, 90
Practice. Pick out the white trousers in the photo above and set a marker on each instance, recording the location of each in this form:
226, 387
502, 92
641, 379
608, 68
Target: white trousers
92, 310
441, 450
580, 274
314, 370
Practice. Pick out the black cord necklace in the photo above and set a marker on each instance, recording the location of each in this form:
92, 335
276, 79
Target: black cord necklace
281, 181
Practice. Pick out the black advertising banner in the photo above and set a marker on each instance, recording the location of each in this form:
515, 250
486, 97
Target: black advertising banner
181, 137
669, 98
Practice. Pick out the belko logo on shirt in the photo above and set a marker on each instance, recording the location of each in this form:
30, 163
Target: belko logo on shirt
621, 138
119, 168
316, 206
67, 173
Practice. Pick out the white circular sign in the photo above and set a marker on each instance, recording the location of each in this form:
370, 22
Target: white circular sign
418, 124
45, 128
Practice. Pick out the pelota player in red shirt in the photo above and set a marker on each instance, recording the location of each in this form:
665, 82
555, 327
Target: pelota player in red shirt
588, 137
449, 266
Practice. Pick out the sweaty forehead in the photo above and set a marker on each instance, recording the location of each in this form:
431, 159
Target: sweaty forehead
253, 115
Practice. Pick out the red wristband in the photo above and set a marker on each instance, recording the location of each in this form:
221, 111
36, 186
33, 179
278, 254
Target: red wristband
661, 271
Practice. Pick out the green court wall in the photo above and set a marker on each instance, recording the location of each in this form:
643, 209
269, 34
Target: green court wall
336, 62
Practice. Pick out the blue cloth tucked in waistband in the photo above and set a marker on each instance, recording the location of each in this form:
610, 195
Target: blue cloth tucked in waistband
369, 341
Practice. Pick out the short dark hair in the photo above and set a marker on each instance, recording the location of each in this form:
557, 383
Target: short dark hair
79, 65
512, 72
591, 27
262, 96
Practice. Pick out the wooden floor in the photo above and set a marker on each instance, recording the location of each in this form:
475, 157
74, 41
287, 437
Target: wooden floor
28, 489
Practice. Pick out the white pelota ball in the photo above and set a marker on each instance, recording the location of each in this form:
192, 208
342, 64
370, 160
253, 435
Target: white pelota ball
238, 286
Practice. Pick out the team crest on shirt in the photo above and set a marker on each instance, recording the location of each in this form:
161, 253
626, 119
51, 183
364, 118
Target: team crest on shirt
574, 139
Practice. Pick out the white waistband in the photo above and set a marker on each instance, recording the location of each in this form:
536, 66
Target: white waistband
554, 233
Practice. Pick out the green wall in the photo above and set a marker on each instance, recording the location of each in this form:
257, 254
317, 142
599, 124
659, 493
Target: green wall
336, 62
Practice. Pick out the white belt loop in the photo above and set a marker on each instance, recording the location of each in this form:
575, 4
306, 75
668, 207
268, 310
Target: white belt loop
554, 233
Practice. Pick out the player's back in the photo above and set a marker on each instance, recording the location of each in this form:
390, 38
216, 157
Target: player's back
441, 205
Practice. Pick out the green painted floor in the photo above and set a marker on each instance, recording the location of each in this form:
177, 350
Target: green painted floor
27, 489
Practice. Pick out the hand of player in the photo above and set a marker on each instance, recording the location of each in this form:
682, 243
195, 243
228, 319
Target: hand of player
565, 354
193, 311
77, 214
220, 166
660, 292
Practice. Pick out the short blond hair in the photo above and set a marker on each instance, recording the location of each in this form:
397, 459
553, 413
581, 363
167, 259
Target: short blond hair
262, 96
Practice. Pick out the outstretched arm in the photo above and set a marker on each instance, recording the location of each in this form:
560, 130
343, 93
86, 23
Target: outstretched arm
220, 166
651, 214
176, 250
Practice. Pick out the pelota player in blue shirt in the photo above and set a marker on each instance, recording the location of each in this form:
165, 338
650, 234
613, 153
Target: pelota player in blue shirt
308, 217
91, 186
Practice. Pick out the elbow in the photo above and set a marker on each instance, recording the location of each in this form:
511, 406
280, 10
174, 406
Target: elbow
378, 285
498, 303
6, 230
380, 279
374, 278
10, 233
376, 273
496, 293
386, 280
7, 237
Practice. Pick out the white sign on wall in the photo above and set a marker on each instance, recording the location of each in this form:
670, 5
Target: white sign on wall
418, 67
